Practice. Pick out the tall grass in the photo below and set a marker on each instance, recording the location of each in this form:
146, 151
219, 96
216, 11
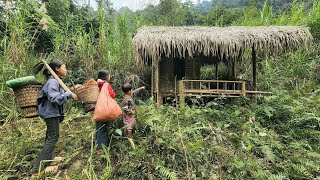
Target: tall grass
20, 32
298, 14
278, 138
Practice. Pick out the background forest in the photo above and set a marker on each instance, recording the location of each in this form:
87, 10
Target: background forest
277, 138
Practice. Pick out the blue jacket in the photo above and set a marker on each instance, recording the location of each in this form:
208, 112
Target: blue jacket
51, 99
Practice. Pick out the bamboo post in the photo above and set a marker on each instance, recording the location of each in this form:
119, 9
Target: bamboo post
181, 94
153, 89
234, 70
254, 72
157, 84
243, 88
217, 73
155, 81
55, 76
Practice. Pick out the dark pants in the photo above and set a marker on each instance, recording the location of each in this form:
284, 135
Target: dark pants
52, 136
102, 134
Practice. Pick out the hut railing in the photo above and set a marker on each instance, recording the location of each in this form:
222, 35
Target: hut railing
210, 88
214, 88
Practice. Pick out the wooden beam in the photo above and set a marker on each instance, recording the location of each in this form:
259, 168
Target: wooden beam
227, 81
259, 92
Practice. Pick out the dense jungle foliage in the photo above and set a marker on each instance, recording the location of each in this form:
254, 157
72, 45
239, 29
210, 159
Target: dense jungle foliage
276, 138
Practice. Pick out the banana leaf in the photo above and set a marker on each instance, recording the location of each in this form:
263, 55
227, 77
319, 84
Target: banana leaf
23, 81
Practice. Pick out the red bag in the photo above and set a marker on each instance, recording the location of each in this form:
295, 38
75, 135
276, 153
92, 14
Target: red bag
107, 109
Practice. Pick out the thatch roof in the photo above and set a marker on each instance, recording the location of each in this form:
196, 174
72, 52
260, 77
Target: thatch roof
224, 42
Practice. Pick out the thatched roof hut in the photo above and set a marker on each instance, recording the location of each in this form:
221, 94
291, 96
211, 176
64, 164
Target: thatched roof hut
177, 53
224, 42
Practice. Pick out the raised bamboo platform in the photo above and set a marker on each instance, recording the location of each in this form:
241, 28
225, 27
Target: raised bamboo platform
214, 88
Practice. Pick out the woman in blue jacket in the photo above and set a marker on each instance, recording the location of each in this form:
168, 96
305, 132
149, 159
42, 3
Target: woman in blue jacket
50, 107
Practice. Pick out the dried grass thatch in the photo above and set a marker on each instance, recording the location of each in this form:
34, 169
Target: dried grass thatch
223, 42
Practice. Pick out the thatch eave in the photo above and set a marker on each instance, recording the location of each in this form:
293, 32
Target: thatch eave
225, 42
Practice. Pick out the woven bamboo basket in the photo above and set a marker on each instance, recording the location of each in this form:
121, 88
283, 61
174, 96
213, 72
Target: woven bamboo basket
88, 94
29, 112
26, 99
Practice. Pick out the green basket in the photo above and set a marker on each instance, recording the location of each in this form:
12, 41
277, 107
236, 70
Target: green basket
21, 82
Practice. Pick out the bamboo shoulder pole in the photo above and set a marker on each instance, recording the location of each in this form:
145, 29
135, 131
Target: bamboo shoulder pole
56, 76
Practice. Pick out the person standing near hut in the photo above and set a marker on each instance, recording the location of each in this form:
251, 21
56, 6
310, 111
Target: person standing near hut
128, 107
50, 106
102, 128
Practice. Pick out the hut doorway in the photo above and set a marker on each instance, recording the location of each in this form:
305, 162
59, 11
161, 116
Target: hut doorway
179, 68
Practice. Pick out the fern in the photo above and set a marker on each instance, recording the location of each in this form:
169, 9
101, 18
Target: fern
313, 167
166, 172
261, 174
277, 177
299, 171
267, 151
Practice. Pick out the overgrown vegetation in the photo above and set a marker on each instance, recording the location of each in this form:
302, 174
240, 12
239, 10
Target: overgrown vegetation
277, 138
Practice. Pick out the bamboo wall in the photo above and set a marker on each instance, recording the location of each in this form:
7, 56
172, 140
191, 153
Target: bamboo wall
167, 74
193, 70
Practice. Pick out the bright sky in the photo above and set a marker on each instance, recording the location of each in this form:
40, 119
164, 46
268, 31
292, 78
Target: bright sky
131, 4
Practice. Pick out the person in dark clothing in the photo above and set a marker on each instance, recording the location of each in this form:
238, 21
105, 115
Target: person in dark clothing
102, 128
50, 106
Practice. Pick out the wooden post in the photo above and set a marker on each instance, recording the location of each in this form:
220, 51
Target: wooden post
193, 68
217, 74
243, 89
217, 70
234, 70
159, 100
181, 94
254, 72
153, 89
155, 81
